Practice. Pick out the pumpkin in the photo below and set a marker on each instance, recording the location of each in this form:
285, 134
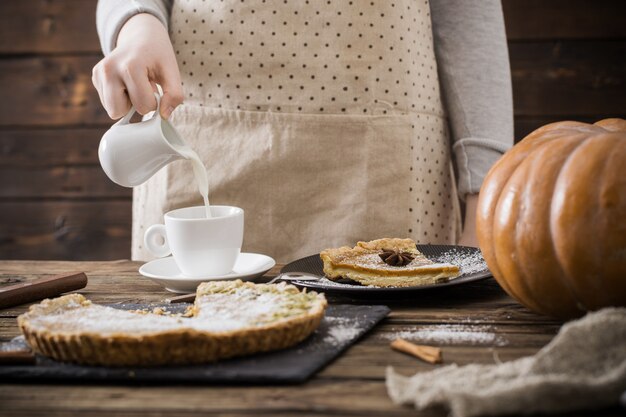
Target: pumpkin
551, 218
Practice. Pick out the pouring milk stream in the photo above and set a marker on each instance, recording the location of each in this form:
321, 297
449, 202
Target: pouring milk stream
199, 172
131, 153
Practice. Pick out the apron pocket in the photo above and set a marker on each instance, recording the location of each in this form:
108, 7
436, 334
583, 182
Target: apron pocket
305, 181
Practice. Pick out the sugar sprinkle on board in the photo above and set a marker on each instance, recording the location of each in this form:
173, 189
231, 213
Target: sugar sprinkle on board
450, 335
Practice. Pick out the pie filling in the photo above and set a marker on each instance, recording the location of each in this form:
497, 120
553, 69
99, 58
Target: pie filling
219, 307
385, 263
374, 279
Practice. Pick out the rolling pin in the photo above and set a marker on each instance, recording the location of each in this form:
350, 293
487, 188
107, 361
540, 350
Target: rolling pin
24, 292
18, 357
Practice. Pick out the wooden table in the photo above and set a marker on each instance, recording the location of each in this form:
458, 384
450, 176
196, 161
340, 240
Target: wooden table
352, 385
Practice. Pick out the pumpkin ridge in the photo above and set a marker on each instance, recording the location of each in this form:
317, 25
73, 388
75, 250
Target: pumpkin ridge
505, 235
579, 300
536, 244
588, 291
514, 209
492, 187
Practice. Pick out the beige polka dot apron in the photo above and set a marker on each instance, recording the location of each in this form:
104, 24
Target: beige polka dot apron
321, 119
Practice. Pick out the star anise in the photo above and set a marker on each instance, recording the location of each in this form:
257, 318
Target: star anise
394, 257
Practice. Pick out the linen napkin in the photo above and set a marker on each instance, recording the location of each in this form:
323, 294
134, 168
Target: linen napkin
582, 368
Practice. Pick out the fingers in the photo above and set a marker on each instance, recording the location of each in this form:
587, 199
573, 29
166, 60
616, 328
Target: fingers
172, 89
139, 89
169, 102
126, 76
115, 99
111, 90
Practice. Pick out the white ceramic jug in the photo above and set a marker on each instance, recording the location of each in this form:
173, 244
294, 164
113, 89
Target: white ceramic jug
131, 153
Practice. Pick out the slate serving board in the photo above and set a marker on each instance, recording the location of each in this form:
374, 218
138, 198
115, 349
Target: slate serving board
342, 326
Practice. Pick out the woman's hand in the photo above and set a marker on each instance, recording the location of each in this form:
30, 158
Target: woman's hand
468, 237
142, 58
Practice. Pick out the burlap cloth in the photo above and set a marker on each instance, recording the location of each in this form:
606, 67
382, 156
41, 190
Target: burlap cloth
583, 368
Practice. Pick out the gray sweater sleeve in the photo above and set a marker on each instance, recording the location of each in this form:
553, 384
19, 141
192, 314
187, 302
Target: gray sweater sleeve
473, 63
112, 14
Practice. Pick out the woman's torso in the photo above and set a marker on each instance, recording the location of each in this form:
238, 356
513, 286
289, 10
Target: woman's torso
322, 119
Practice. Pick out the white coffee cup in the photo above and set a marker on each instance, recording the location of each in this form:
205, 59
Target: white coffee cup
201, 246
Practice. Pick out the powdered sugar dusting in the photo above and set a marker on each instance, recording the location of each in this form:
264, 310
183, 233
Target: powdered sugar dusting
341, 330
17, 344
234, 308
372, 260
450, 335
468, 262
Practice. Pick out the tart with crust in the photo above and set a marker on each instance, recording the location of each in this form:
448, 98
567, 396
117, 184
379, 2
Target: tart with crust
387, 262
228, 318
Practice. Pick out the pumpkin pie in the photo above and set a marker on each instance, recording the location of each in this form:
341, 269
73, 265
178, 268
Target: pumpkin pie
228, 318
387, 262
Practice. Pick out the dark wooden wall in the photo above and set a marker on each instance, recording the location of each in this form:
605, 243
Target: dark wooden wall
568, 60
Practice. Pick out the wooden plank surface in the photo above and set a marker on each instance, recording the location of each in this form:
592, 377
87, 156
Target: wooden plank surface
65, 229
41, 26
28, 148
50, 91
573, 79
526, 124
352, 385
59, 182
68, 26
564, 19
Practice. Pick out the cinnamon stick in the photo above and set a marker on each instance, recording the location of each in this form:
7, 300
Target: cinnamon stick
24, 292
428, 354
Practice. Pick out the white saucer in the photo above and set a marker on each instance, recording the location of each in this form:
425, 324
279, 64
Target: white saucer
164, 271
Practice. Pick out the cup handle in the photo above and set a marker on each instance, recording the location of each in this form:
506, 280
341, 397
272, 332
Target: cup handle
126, 119
149, 240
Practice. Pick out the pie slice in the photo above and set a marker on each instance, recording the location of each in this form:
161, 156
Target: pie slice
228, 318
403, 265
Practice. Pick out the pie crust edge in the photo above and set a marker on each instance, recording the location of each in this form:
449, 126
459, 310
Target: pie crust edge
179, 347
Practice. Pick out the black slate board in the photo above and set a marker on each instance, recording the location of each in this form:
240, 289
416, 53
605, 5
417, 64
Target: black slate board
293, 365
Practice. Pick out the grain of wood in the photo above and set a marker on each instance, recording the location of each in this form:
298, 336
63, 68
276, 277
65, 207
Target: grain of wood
43, 148
50, 91
59, 182
574, 79
33, 26
353, 384
526, 124
320, 394
564, 19
65, 229
28, 26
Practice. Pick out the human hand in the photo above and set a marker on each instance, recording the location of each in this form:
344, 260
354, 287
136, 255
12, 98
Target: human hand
143, 57
468, 236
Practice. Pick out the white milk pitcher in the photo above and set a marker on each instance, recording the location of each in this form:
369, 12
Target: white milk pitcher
131, 153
